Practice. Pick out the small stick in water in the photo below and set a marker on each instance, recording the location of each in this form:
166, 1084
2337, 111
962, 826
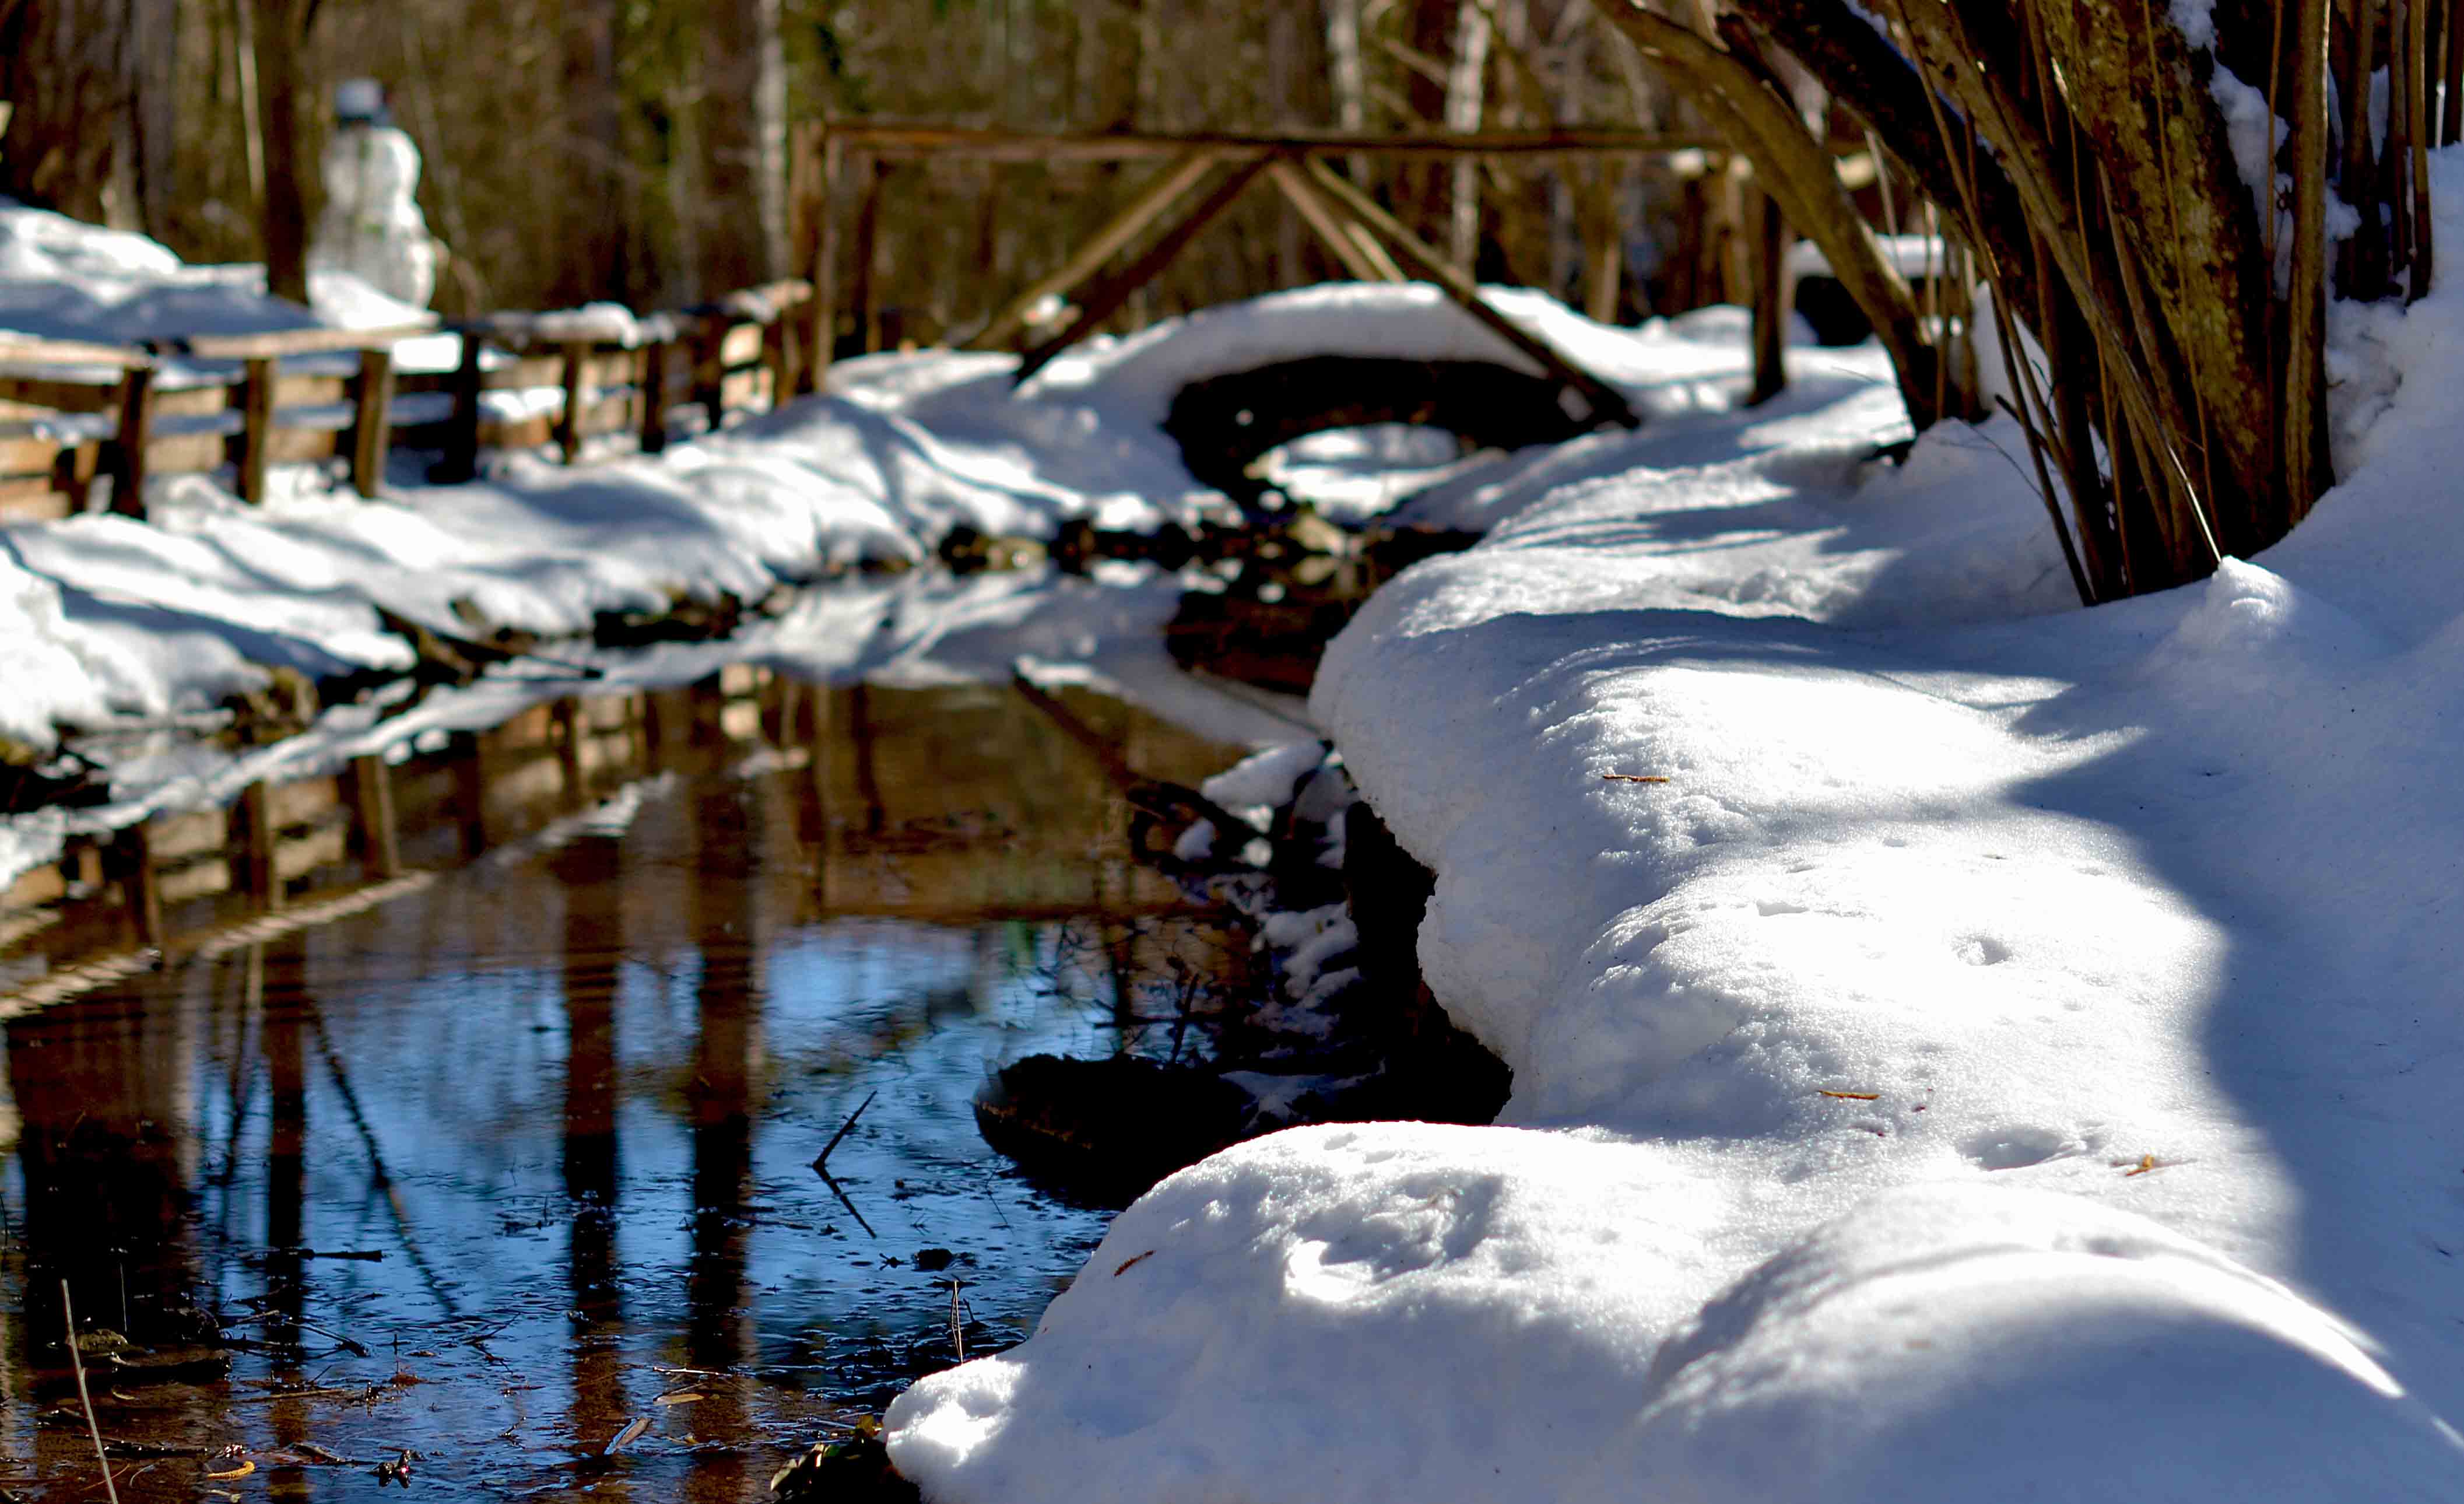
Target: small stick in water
823, 1157
76, 1361
957, 1328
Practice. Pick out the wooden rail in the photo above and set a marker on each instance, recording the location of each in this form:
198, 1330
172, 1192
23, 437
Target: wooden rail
893, 139
1360, 235
729, 356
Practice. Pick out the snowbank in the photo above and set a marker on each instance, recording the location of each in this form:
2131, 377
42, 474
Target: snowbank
1962, 1046
1411, 1312
61, 278
1668, 367
912, 630
169, 618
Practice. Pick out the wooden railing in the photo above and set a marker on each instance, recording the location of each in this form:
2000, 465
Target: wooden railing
725, 357
72, 413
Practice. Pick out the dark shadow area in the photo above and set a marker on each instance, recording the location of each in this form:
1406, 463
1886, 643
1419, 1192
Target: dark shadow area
1223, 424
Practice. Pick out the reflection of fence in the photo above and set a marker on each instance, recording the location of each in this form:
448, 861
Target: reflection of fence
171, 881
951, 807
72, 412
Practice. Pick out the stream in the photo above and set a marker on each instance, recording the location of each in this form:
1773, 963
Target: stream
488, 1151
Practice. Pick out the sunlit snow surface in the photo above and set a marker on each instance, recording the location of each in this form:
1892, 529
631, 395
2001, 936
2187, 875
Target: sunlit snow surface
2011, 1056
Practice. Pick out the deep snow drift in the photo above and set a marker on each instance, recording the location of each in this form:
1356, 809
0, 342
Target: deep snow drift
1964, 1047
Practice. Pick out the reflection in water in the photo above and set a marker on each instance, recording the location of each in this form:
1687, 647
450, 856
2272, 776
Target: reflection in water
718, 1336
588, 868
495, 1168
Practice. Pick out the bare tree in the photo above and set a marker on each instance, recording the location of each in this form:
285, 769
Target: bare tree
743, 130
595, 261
279, 33
69, 70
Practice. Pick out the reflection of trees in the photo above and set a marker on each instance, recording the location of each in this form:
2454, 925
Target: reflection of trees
279, 977
100, 1085
719, 1335
589, 872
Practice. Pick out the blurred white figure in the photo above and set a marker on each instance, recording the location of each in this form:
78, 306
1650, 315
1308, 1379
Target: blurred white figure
371, 226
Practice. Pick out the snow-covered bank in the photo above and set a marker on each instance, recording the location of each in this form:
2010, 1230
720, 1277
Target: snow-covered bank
1964, 1048
111, 620
905, 630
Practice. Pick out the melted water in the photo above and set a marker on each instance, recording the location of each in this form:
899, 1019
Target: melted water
511, 1160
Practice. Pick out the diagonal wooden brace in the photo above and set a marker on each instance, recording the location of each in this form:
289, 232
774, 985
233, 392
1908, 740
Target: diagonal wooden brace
1344, 239
1606, 404
1109, 295
1099, 248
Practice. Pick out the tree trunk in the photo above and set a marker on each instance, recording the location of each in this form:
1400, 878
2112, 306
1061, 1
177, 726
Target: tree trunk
1466, 94
68, 72
1423, 192
743, 130
595, 261
1345, 77
154, 109
278, 32
1283, 105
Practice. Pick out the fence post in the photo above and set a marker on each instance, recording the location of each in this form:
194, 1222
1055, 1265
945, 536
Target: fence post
775, 356
461, 461
372, 801
256, 429
470, 792
255, 832
127, 458
577, 385
371, 433
131, 861
710, 371
867, 227
73, 471
654, 395
564, 731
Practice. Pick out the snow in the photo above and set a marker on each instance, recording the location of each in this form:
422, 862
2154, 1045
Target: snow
1354, 475
1675, 366
1412, 1312
611, 324
170, 617
2005, 1058
65, 279
1914, 256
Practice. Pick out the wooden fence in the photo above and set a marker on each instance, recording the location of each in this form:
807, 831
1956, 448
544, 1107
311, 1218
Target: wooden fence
295, 396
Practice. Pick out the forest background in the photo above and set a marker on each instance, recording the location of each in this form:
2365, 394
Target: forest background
2143, 188
636, 150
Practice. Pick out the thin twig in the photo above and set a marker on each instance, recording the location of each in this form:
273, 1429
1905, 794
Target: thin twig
823, 1157
841, 1193
68, 1314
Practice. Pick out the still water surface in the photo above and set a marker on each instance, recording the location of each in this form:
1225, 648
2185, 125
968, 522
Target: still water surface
496, 1168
